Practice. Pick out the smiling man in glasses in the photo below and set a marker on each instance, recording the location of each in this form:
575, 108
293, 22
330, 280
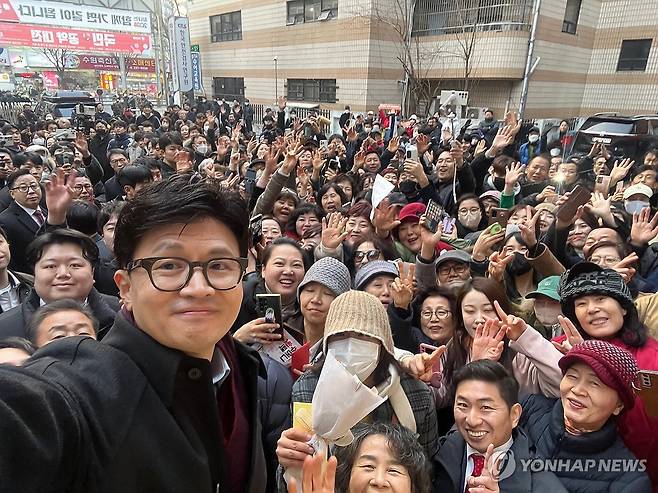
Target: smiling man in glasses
167, 401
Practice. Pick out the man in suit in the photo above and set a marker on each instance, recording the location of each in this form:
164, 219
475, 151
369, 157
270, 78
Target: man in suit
23, 218
487, 414
14, 286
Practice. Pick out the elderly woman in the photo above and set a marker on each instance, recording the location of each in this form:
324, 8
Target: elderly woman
581, 426
600, 305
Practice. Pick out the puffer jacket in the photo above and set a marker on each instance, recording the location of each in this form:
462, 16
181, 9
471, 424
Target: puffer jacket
543, 420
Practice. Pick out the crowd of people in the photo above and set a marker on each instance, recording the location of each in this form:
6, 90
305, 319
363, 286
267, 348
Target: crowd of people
192, 301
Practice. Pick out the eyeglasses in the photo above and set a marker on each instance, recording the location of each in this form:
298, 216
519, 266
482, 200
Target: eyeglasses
86, 186
174, 273
118, 161
458, 268
605, 260
24, 188
472, 210
438, 313
370, 255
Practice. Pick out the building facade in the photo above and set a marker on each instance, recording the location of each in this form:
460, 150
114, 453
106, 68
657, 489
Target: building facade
589, 56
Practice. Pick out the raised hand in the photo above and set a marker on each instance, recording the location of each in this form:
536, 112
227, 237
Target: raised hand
333, 230
547, 193
512, 176
81, 144
351, 134
620, 170
359, 161
416, 169
315, 477
497, 264
59, 195
394, 145
528, 229
573, 336
513, 326
643, 229
481, 147
503, 138
384, 219
488, 342
403, 286
422, 143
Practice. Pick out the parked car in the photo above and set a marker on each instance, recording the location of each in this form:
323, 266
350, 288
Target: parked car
629, 136
62, 103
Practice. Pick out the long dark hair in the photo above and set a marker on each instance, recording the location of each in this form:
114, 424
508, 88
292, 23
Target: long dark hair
458, 347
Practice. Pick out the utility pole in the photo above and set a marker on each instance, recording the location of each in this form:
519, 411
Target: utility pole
529, 67
276, 79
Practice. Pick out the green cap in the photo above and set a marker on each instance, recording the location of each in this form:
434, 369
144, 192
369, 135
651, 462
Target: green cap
547, 287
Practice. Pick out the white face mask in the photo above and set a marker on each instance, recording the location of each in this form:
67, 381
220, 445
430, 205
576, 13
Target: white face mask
555, 152
39, 141
359, 357
533, 138
202, 149
470, 220
633, 206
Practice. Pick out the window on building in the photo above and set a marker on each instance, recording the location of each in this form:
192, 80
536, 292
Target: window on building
571, 15
228, 88
226, 27
312, 90
634, 54
300, 11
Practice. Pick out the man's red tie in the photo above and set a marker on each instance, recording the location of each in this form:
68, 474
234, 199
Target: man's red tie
478, 466
38, 215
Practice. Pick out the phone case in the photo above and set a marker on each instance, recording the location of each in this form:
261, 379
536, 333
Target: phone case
499, 216
579, 196
269, 305
646, 387
433, 216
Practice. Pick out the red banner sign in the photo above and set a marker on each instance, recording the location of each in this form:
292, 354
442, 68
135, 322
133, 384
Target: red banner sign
49, 37
111, 64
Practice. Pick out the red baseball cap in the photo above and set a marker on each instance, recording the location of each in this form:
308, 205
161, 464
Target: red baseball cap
412, 212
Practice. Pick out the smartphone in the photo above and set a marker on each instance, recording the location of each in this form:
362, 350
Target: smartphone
579, 196
646, 386
499, 216
448, 225
495, 229
324, 144
412, 152
256, 228
619, 187
269, 306
250, 181
602, 185
433, 216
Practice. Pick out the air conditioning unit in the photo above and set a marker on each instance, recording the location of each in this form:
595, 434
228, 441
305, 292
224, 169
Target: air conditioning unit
474, 113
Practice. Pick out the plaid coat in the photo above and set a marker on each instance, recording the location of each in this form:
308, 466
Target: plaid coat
420, 399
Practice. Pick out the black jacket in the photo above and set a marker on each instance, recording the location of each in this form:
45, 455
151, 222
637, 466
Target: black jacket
543, 419
98, 148
21, 229
122, 415
14, 321
113, 189
25, 284
450, 467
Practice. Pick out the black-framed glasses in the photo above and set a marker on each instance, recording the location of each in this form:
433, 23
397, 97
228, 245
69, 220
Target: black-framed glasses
458, 268
370, 255
24, 188
86, 186
439, 313
174, 273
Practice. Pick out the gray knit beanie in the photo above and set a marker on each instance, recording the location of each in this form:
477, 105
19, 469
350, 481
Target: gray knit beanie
330, 273
373, 269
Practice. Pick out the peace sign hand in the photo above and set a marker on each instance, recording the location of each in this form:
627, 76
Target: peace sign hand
403, 286
422, 365
529, 228
487, 482
573, 336
513, 326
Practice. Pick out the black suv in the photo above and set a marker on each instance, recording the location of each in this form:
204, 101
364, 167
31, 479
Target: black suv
629, 136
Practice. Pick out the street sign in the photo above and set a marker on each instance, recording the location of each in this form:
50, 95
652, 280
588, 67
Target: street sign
179, 30
196, 71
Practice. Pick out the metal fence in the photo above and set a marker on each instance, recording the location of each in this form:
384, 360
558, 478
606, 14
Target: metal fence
436, 17
9, 111
259, 111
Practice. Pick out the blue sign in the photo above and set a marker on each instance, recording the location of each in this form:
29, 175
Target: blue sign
196, 72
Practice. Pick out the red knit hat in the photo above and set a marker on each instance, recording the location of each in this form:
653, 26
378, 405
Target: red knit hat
412, 212
614, 366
